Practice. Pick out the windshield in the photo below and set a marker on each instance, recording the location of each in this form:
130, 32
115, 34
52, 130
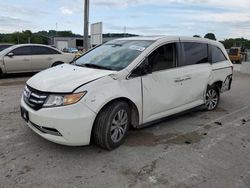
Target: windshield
113, 55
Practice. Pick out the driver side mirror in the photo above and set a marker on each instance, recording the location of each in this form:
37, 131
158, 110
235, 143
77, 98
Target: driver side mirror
143, 69
11, 54
146, 67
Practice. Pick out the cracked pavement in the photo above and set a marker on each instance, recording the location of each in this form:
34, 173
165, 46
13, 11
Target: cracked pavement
194, 149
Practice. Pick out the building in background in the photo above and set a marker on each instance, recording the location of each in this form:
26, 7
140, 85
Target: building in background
77, 42
68, 42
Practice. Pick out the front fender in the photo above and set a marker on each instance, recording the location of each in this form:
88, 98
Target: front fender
106, 89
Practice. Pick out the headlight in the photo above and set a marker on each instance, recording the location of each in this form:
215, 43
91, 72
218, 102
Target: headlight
63, 100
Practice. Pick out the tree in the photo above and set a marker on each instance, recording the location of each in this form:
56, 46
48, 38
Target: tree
39, 39
65, 34
210, 36
238, 42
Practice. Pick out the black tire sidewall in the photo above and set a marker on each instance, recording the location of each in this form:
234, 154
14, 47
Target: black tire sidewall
117, 107
1, 74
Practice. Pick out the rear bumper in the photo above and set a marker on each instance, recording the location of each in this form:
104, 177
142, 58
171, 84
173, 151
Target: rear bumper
69, 125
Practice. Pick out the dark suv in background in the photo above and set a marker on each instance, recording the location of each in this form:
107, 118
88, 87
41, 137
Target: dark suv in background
4, 46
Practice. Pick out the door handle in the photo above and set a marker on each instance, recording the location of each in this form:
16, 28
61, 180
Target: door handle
26, 59
187, 78
182, 79
178, 80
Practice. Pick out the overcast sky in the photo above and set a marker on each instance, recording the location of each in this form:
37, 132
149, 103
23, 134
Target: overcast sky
225, 18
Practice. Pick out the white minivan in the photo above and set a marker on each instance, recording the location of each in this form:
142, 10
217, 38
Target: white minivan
124, 83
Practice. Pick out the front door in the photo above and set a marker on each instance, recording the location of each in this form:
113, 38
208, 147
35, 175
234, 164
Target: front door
20, 61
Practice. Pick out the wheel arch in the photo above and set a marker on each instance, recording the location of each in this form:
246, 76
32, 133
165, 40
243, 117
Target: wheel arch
134, 110
218, 84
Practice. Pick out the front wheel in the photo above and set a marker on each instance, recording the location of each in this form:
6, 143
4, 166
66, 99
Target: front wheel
2, 75
111, 125
212, 98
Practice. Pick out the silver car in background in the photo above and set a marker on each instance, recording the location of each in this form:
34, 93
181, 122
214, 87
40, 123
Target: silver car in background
31, 58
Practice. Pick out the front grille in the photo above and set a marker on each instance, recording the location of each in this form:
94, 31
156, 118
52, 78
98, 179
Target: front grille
34, 98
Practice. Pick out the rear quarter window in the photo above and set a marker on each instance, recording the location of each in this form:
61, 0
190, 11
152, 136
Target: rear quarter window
217, 55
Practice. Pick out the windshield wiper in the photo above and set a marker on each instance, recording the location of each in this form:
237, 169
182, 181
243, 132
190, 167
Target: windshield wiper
95, 66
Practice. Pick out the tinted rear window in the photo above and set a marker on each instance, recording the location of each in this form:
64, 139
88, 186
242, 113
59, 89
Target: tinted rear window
41, 50
217, 54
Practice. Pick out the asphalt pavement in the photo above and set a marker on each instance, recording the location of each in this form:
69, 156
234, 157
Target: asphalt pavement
195, 149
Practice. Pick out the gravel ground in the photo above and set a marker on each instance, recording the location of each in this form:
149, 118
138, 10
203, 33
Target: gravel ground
195, 149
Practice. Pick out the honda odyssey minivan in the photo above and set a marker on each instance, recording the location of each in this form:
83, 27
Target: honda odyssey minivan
125, 83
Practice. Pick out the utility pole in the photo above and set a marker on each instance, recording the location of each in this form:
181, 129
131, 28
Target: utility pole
86, 25
56, 29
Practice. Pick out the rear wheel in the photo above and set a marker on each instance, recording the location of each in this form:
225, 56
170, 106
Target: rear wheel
111, 125
212, 98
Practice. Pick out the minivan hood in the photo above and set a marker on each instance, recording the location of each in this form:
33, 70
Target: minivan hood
65, 78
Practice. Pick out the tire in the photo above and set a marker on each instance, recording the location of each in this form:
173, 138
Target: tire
2, 75
212, 98
56, 63
111, 125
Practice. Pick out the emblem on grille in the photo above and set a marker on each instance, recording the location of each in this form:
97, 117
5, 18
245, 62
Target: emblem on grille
28, 94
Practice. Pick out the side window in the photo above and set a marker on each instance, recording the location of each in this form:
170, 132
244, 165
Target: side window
40, 50
195, 53
52, 51
25, 50
163, 58
217, 54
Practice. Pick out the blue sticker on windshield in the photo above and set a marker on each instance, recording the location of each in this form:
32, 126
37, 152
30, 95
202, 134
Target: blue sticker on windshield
138, 48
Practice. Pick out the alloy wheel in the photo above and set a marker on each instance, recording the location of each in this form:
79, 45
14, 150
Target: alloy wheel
211, 99
119, 126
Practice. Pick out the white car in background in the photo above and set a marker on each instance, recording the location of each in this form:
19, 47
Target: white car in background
125, 83
31, 58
